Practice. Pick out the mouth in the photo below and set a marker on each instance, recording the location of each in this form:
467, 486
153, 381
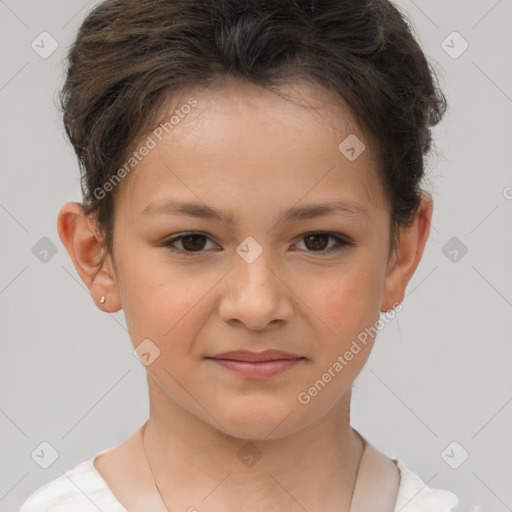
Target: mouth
269, 363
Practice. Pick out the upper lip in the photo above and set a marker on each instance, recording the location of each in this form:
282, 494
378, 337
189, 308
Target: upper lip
245, 355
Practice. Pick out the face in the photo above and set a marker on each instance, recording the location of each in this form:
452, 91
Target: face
274, 268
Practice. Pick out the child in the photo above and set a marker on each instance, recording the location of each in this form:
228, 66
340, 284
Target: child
259, 127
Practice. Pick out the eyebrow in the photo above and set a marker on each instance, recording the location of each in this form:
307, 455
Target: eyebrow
296, 213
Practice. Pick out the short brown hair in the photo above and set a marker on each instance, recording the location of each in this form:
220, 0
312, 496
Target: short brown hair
129, 55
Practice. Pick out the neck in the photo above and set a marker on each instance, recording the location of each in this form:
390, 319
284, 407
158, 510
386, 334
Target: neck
196, 464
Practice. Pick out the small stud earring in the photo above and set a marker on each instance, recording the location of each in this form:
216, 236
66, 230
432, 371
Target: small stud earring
102, 300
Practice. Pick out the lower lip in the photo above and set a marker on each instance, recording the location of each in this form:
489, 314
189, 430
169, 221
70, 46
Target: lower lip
257, 370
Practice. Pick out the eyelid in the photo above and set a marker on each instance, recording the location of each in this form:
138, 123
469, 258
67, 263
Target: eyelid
342, 242
178, 236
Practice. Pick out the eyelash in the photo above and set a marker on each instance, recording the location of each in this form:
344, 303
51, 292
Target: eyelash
341, 243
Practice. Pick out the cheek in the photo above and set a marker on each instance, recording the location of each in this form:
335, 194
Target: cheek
160, 303
348, 300
346, 305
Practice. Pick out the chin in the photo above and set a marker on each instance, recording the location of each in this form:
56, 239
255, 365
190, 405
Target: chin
257, 432
258, 423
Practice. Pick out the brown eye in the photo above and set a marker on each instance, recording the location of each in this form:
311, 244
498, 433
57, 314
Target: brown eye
314, 242
193, 242
190, 243
319, 242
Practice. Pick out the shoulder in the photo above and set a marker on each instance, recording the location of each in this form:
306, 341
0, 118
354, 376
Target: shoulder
80, 489
414, 495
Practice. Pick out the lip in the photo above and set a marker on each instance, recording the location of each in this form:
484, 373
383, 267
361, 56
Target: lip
248, 356
257, 365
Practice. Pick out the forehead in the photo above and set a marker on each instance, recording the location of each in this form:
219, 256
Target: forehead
241, 138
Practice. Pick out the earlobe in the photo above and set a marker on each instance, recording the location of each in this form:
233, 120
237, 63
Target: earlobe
407, 256
78, 234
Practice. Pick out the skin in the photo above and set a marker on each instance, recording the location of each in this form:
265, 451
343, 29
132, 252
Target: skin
253, 154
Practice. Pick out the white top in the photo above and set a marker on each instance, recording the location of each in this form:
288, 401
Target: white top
82, 489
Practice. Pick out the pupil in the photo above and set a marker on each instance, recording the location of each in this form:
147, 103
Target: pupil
315, 244
318, 242
194, 244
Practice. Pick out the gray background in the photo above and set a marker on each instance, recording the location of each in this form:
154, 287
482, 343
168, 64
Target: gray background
439, 373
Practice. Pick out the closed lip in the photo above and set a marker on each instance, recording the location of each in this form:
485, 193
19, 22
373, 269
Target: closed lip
245, 355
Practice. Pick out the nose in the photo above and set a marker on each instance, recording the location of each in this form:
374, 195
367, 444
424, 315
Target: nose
256, 294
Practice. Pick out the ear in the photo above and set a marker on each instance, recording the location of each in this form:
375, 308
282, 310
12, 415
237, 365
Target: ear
79, 235
408, 254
